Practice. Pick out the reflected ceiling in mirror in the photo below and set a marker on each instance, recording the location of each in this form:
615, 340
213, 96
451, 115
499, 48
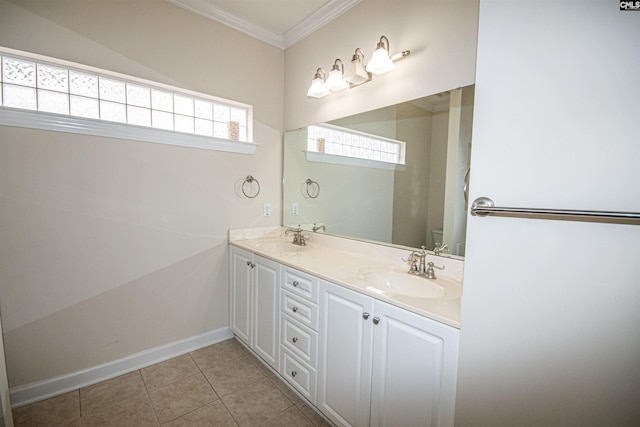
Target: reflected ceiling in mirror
420, 202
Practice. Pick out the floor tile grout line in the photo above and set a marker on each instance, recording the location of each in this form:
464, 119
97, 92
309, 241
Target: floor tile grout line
146, 389
229, 411
200, 372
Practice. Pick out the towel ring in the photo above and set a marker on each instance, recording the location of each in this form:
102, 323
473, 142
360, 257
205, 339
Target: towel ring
249, 179
312, 188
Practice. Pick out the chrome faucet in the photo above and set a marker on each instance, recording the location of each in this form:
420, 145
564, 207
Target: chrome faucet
298, 237
318, 227
418, 266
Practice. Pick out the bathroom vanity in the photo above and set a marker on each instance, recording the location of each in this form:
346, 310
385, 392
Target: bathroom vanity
347, 327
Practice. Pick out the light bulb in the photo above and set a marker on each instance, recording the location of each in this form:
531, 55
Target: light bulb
380, 62
335, 82
318, 88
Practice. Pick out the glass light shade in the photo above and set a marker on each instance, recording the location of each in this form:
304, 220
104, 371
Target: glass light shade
335, 82
317, 89
380, 62
356, 74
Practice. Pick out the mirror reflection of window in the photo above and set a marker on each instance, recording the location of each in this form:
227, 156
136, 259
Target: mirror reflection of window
418, 203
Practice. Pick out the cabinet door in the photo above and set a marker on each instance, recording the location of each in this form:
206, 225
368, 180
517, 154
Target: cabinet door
240, 293
414, 370
266, 333
344, 371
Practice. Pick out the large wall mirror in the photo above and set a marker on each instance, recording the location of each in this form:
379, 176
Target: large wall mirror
420, 202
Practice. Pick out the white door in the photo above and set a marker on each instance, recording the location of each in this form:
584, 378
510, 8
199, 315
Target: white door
241, 272
550, 308
344, 371
266, 282
414, 369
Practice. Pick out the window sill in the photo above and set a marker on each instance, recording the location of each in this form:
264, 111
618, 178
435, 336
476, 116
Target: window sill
313, 156
62, 123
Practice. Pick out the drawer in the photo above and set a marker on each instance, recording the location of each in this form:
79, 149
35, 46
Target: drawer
299, 375
302, 310
300, 283
299, 340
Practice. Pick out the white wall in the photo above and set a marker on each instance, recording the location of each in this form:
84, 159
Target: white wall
367, 216
109, 246
410, 208
550, 308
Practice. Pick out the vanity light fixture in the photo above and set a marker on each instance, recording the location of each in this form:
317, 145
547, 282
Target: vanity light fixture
356, 73
335, 81
318, 88
380, 61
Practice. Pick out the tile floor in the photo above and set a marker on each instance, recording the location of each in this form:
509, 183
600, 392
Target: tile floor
220, 385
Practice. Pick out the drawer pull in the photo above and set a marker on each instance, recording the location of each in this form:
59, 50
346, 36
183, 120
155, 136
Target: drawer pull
295, 309
294, 339
295, 283
294, 373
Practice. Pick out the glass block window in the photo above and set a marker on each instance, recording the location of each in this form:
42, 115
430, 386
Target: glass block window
28, 82
349, 143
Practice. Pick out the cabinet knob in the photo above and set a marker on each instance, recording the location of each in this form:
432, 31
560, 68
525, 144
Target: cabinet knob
294, 339
248, 262
376, 320
294, 373
295, 309
365, 315
295, 283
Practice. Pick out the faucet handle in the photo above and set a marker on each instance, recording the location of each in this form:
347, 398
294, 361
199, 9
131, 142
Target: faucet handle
430, 273
411, 258
412, 261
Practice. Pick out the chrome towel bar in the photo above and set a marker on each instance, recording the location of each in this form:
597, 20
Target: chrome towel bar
484, 206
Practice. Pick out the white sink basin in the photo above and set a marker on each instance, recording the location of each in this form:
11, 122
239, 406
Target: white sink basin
279, 246
399, 282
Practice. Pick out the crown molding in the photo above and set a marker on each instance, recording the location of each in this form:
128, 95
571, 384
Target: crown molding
208, 10
317, 20
313, 22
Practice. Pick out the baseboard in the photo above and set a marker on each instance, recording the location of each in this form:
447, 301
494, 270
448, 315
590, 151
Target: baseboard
34, 392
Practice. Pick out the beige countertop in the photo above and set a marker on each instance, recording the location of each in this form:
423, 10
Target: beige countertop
341, 261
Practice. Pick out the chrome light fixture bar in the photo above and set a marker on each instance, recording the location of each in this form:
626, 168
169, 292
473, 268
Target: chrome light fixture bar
357, 72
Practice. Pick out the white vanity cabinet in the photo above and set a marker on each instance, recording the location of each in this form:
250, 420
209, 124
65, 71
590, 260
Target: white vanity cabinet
299, 331
346, 342
255, 302
360, 361
380, 365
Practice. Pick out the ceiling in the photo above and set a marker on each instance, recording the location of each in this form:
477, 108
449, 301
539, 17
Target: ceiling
281, 23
